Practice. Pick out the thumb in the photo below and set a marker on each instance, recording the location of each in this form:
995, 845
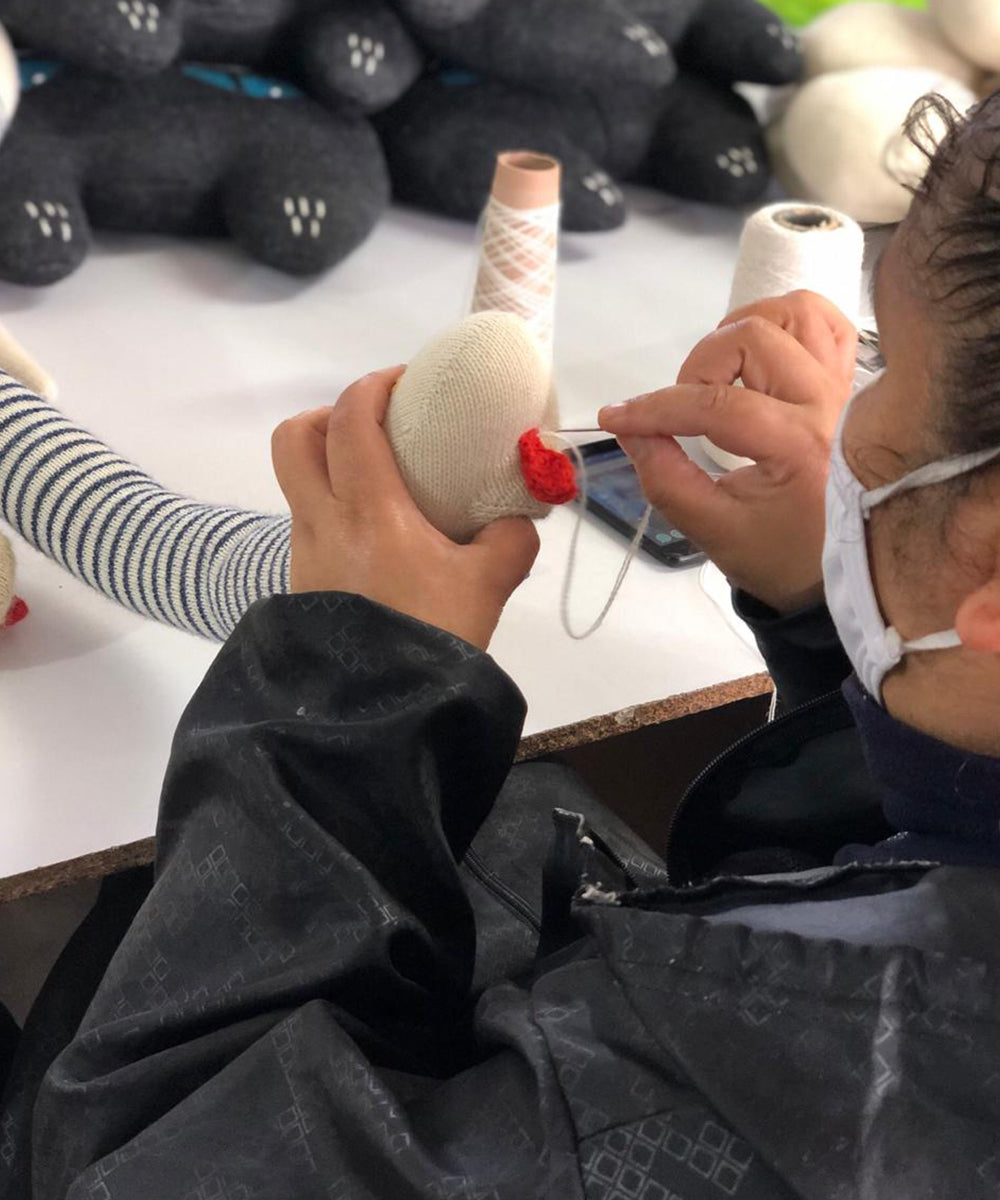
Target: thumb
509, 548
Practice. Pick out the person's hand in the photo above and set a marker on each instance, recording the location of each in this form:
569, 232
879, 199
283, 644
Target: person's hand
355, 527
763, 525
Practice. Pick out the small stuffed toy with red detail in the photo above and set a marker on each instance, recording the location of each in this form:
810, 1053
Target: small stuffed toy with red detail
12, 608
548, 474
457, 426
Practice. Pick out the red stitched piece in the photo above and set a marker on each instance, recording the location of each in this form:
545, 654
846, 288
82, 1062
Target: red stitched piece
548, 474
17, 612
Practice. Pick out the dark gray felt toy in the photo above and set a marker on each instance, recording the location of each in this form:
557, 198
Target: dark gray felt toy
610, 71
618, 89
355, 52
442, 139
439, 14
189, 151
558, 45
707, 144
732, 40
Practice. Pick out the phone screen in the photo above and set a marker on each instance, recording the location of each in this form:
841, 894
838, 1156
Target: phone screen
613, 489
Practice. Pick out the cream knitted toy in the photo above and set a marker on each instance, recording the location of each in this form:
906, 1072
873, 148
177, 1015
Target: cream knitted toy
12, 608
457, 422
972, 27
840, 140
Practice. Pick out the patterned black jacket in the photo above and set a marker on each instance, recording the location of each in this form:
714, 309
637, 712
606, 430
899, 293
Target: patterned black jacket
372, 967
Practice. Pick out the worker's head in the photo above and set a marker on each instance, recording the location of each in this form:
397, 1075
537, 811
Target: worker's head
934, 551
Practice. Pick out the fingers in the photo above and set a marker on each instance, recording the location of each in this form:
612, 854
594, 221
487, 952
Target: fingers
360, 462
766, 358
298, 453
339, 449
737, 419
510, 546
815, 322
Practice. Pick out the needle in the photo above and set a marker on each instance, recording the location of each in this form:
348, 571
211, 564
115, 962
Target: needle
589, 429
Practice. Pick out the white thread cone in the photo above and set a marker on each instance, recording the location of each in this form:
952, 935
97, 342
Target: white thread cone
788, 246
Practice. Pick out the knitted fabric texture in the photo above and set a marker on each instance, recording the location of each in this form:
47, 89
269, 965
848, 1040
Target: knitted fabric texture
548, 474
12, 609
354, 51
456, 417
196, 566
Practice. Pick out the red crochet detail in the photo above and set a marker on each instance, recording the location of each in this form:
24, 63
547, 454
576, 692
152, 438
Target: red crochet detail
548, 474
17, 612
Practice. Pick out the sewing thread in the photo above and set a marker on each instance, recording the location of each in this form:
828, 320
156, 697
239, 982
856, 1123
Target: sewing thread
630, 554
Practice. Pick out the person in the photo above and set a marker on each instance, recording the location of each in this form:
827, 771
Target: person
378, 960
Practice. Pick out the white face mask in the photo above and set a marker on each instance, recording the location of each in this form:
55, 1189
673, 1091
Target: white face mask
873, 647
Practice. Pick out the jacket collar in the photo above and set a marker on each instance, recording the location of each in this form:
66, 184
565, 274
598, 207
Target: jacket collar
945, 802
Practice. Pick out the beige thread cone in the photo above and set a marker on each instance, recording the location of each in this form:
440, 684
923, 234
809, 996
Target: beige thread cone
517, 267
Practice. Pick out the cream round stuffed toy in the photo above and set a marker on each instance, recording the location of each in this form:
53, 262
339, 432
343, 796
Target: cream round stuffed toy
465, 423
12, 608
841, 141
871, 33
972, 27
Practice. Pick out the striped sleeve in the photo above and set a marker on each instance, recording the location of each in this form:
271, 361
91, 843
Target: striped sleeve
196, 566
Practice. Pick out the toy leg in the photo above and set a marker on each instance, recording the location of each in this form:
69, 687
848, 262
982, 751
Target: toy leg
670, 18
121, 37
442, 141
360, 52
528, 44
304, 204
196, 566
708, 145
44, 232
740, 39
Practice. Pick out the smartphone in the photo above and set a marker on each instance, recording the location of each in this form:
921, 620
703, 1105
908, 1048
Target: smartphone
614, 496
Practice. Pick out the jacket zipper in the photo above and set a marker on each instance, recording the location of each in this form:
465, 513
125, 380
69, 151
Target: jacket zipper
705, 771
610, 852
505, 894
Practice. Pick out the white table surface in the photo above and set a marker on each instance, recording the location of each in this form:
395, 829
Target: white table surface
184, 356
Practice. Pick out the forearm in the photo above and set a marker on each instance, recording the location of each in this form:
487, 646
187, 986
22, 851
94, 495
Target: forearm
802, 650
196, 566
324, 779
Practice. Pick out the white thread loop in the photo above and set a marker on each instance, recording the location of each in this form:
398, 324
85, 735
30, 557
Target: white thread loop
630, 554
517, 267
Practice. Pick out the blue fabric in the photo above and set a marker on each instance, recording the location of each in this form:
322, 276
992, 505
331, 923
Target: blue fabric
945, 802
36, 71
236, 79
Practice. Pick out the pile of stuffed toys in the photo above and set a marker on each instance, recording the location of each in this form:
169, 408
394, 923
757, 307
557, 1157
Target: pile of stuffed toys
323, 109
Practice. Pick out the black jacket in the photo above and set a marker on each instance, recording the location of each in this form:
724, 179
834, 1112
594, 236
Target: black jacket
371, 967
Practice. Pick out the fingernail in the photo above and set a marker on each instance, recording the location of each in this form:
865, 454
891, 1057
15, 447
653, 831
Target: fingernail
634, 447
611, 411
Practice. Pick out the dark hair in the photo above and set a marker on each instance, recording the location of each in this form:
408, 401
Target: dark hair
956, 251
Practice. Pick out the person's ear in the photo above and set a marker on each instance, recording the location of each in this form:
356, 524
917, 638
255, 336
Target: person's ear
978, 619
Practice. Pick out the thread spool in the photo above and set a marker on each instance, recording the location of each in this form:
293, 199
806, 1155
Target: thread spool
788, 246
519, 252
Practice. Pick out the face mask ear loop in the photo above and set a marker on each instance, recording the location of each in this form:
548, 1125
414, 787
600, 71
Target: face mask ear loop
630, 554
